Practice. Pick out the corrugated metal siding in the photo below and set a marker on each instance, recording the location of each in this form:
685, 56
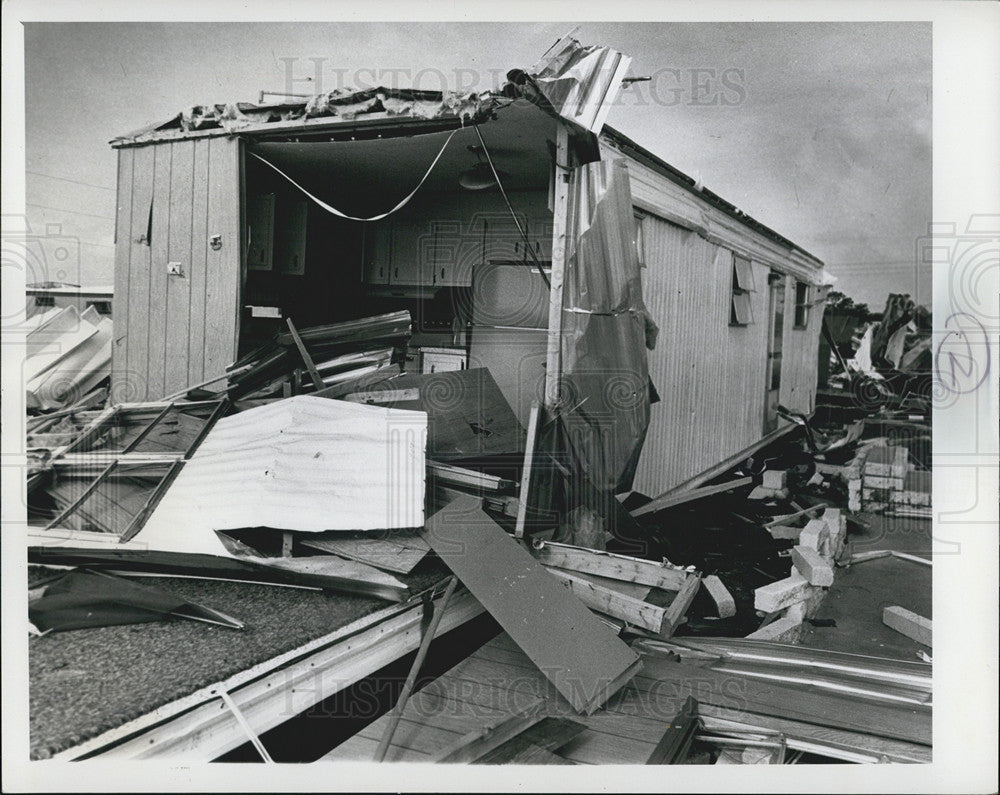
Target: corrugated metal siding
710, 375
801, 354
172, 331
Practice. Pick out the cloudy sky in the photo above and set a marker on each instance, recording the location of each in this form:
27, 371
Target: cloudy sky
822, 131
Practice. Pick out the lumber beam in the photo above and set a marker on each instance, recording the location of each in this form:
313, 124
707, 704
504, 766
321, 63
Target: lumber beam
908, 623
670, 500
679, 606
616, 604
610, 565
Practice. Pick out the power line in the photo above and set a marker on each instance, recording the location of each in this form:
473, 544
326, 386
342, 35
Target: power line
67, 179
64, 210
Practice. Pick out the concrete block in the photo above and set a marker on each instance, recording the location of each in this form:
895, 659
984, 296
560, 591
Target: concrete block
809, 606
762, 493
811, 565
889, 461
757, 756
774, 479
784, 630
816, 535
883, 482
915, 498
724, 602
854, 495
778, 595
908, 623
917, 480
785, 532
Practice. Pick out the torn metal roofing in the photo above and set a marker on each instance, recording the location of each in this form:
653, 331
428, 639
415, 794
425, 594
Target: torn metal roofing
345, 105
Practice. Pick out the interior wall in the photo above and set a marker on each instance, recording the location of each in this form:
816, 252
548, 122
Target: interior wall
175, 329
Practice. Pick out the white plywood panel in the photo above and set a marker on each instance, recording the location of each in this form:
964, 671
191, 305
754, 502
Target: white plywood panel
307, 464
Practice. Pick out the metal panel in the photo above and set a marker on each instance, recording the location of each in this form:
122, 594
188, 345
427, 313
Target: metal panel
710, 375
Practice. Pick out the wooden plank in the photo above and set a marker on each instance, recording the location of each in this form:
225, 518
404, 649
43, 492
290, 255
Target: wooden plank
178, 288
548, 735
223, 266
581, 656
673, 746
360, 749
679, 606
137, 300
789, 516
634, 611
672, 500
474, 745
425, 737
533, 755
198, 264
524, 495
397, 554
156, 314
306, 358
560, 219
123, 248
607, 564
908, 623
630, 589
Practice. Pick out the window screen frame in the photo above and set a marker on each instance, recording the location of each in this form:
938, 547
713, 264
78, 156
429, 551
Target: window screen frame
742, 284
802, 306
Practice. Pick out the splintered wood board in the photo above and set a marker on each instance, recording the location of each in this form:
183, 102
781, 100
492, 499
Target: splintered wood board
398, 554
578, 653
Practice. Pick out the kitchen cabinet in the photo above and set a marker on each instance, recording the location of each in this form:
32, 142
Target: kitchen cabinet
260, 232
290, 237
377, 252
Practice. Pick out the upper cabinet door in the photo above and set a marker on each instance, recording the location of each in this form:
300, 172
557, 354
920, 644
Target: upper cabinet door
290, 237
260, 223
378, 252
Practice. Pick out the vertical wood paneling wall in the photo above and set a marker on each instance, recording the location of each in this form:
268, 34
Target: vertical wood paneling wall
172, 331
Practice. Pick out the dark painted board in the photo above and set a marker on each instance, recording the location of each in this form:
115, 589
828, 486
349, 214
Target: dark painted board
573, 648
467, 415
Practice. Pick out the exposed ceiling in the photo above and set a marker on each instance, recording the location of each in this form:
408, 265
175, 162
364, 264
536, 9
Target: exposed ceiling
369, 176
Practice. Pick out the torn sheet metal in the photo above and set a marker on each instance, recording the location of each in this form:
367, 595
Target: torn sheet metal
606, 329
81, 599
579, 83
347, 104
307, 464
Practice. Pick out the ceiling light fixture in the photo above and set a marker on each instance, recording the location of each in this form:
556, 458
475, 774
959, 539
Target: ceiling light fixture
480, 176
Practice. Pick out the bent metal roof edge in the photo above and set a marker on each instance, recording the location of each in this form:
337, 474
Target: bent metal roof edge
392, 108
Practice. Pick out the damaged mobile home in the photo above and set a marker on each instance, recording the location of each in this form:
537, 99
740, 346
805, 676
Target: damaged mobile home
380, 344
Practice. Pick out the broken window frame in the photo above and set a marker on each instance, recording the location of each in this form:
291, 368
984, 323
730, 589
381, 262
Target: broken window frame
74, 462
639, 216
740, 307
802, 305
